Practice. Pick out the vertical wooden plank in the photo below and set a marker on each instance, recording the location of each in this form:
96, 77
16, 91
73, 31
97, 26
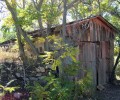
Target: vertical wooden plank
94, 68
100, 72
111, 54
104, 71
91, 30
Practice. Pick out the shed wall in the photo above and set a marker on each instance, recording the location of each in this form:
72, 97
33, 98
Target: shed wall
96, 51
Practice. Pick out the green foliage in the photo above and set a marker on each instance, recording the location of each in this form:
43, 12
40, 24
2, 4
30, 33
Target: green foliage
116, 51
116, 45
62, 53
8, 28
52, 38
8, 22
50, 12
68, 88
117, 72
72, 69
8, 89
38, 92
2, 40
39, 40
86, 85
63, 88
8, 32
57, 89
47, 57
114, 20
27, 16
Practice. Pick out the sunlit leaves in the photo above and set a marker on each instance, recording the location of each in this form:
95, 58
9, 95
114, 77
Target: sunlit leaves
8, 32
26, 16
81, 11
50, 12
8, 21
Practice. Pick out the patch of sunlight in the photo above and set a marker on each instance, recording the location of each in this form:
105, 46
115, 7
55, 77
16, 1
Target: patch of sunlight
117, 77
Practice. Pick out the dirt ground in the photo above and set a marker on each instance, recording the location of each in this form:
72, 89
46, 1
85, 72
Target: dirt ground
111, 92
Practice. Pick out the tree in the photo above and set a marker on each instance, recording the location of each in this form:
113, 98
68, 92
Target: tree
67, 6
12, 8
64, 18
38, 6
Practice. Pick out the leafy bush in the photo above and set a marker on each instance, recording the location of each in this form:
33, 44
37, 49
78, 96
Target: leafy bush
38, 92
67, 86
59, 89
85, 85
4, 89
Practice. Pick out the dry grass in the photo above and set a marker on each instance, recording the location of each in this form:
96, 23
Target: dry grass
8, 56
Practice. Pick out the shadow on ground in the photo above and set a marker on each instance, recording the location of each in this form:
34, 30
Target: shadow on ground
111, 92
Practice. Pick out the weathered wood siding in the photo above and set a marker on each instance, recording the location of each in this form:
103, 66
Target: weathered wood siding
87, 58
96, 43
103, 37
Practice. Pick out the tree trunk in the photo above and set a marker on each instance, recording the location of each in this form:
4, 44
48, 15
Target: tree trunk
18, 27
64, 19
99, 7
40, 22
62, 74
21, 48
38, 6
113, 76
48, 32
28, 41
23, 4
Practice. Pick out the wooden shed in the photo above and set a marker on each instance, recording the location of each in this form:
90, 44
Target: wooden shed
95, 39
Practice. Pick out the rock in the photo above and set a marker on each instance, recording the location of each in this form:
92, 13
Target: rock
100, 87
26, 79
40, 69
18, 74
37, 69
39, 74
33, 78
48, 66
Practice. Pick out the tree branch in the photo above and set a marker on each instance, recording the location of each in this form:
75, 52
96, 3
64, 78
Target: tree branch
118, 1
73, 3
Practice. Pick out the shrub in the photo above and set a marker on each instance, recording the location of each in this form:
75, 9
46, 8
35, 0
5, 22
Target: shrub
38, 92
66, 86
59, 89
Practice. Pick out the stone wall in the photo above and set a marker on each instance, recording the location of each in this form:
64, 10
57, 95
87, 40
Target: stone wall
11, 71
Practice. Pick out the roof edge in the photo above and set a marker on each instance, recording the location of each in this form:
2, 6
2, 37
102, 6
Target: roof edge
108, 23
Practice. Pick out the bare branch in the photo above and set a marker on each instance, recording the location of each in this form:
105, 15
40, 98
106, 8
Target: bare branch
34, 3
59, 6
73, 3
118, 1
39, 4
